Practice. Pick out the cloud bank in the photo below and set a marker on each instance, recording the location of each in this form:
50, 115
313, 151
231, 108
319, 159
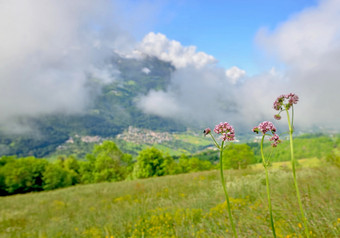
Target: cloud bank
48, 47
307, 44
160, 46
199, 92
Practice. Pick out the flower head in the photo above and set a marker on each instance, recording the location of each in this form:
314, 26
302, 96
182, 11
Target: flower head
226, 130
276, 140
290, 99
264, 127
207, 131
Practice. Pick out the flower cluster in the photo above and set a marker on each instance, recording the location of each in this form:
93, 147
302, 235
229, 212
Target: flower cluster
280, 104
265, 127
226, 130
276, 140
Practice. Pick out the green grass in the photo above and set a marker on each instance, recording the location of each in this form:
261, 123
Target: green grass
305, 163
188, 205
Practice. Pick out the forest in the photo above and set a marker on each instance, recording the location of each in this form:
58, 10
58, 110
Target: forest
107, 163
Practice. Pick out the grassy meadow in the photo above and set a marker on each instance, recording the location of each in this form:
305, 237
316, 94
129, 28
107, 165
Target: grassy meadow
186, 205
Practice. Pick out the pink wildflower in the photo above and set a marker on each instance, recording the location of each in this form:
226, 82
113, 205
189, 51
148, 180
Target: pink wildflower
280, 104
256, 130
207, 131
226, 130
266, 126
293, 98
276, 140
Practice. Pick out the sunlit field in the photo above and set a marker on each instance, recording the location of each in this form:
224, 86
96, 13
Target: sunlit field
187, 205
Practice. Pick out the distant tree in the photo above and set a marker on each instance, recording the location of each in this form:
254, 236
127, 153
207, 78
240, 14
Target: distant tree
55, 176
3, 190
106, 163
193, 164
86, 171
24, 175
71, 165
169, 165
150, 163
183, 164
238, 156
6, 159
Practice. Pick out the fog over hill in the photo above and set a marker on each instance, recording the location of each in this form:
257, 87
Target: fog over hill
59, 57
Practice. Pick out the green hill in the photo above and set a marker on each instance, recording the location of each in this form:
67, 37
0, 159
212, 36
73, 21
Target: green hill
111, 111
188, 205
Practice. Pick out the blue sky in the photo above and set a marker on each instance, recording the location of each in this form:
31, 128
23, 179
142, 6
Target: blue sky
226, 29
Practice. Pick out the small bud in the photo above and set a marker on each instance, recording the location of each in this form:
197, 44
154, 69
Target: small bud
206, 131
277, 117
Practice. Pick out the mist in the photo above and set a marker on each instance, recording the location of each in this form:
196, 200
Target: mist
304, 50
49, 48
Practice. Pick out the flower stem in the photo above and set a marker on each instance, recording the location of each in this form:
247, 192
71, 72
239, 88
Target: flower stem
225, 191
294, 175
265, 165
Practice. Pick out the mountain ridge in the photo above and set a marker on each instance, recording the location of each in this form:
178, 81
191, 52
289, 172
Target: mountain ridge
111, 111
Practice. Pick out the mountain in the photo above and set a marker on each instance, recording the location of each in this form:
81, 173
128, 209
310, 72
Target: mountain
112, 109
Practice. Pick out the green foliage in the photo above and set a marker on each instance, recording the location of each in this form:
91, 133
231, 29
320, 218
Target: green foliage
108, 163
150, 163
334, 158
238, 156
6, 159
192, 164
56, 176
23, 175
305, 146
209, 155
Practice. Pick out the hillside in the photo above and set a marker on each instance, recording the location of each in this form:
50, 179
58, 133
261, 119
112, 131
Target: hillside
188, 205
111, 110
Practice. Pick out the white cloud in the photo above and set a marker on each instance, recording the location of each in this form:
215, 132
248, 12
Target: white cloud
195, 95
159, 103
235, 73
146, 70
106, 73
160, 46
306, 37
46, 49
49, 47
309, 46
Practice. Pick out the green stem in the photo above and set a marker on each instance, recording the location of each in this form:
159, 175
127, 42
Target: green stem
294, 175
265, 165
225, 191
215, 141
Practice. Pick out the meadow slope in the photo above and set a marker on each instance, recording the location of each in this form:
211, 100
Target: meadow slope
186, 205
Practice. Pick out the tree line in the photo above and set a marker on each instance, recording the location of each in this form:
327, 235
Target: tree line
107, 163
